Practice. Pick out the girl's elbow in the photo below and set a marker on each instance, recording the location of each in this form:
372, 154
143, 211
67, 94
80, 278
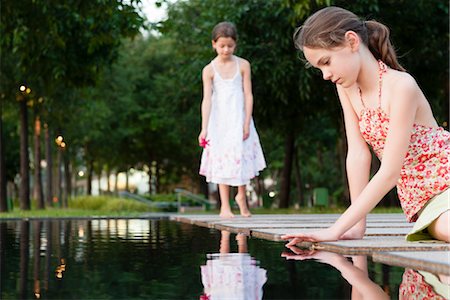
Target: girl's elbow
361, 157
389, 175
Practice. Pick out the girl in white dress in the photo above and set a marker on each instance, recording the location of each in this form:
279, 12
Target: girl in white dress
232, 152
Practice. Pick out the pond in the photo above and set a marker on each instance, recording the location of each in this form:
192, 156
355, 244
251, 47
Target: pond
160, 259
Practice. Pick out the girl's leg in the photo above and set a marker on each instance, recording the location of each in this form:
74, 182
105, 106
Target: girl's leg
225, 209
440, 228
242, 242
224, 242
241, 200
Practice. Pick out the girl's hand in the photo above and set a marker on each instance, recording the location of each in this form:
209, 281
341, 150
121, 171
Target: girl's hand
325, 235
306, 254
246, 132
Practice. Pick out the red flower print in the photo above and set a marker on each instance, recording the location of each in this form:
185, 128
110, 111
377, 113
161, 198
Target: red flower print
423, 158
420, 167
442, 171
444, 160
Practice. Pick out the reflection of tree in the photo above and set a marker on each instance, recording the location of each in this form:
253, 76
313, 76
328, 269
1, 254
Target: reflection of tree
24, 257
2, 256
37, 256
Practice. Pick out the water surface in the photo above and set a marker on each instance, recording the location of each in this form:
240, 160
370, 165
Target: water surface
159, 259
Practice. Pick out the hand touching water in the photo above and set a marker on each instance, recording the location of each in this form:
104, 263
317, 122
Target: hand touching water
324, 235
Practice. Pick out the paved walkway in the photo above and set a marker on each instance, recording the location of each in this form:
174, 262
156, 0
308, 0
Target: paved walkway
384, 239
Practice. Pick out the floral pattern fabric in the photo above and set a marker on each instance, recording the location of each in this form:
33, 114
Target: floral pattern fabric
414, 287
426, 168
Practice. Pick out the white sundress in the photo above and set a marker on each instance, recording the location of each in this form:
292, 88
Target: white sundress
228, 159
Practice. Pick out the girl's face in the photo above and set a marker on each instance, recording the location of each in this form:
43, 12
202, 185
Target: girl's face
224, 46
340, 65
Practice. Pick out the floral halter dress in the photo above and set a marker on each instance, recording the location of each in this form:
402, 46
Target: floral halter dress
426, 168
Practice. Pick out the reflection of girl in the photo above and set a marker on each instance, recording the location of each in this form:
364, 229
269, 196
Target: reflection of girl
355, 273
232, 275
423, 285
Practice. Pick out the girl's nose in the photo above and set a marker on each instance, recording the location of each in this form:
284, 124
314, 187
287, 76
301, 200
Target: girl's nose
326, 75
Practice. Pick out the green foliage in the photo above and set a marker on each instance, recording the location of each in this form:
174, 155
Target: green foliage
106, 203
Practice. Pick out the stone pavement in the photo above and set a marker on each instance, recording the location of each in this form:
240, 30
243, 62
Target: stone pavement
384, 239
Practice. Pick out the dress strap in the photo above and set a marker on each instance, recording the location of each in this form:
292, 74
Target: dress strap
213, 66
382, 68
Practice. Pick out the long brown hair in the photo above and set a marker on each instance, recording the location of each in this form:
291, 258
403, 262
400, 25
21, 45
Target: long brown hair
327, 27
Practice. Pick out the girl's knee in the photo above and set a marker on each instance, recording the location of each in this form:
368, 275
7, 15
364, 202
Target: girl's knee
440, 228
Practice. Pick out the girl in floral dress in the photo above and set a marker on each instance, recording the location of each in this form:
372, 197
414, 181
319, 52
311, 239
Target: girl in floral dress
384, 108
232, 152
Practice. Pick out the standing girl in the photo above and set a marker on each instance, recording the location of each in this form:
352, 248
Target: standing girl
383, 107
232, 153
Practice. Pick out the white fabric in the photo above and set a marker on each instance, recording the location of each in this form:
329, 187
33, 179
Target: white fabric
233, 276
228, 159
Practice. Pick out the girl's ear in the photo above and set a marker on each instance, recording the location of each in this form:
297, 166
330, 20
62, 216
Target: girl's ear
213, 43
353, 40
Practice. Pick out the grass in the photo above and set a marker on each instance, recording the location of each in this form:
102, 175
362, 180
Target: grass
85, 206
108, 206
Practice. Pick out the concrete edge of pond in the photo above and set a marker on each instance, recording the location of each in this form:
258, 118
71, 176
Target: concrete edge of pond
410, 260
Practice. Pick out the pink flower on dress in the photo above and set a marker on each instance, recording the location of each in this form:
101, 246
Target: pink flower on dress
442, 171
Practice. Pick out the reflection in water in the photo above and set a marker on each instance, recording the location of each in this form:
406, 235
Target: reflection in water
232, 275
424, 285
415, 284
149, 259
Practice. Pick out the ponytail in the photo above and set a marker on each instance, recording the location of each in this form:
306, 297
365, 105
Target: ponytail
326, 29
380, 45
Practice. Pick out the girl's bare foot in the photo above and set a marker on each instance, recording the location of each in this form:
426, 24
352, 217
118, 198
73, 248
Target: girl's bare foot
243, 208
226, 214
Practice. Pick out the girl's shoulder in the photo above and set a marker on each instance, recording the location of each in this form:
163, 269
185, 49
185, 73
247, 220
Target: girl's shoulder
242, 61
208, 70
399, 77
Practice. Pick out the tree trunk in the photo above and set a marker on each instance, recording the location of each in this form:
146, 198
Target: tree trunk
90, 172
285, 188
37, 163
59, 174
150, 177
3, 199
157, 175
67, 173
108, 175
49, 158
116, 183
24, 192
66, 178
127, 186
298, 180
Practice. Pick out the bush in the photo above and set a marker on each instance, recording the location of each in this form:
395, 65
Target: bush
106, 203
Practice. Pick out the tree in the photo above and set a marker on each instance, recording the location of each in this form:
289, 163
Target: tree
59, 45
